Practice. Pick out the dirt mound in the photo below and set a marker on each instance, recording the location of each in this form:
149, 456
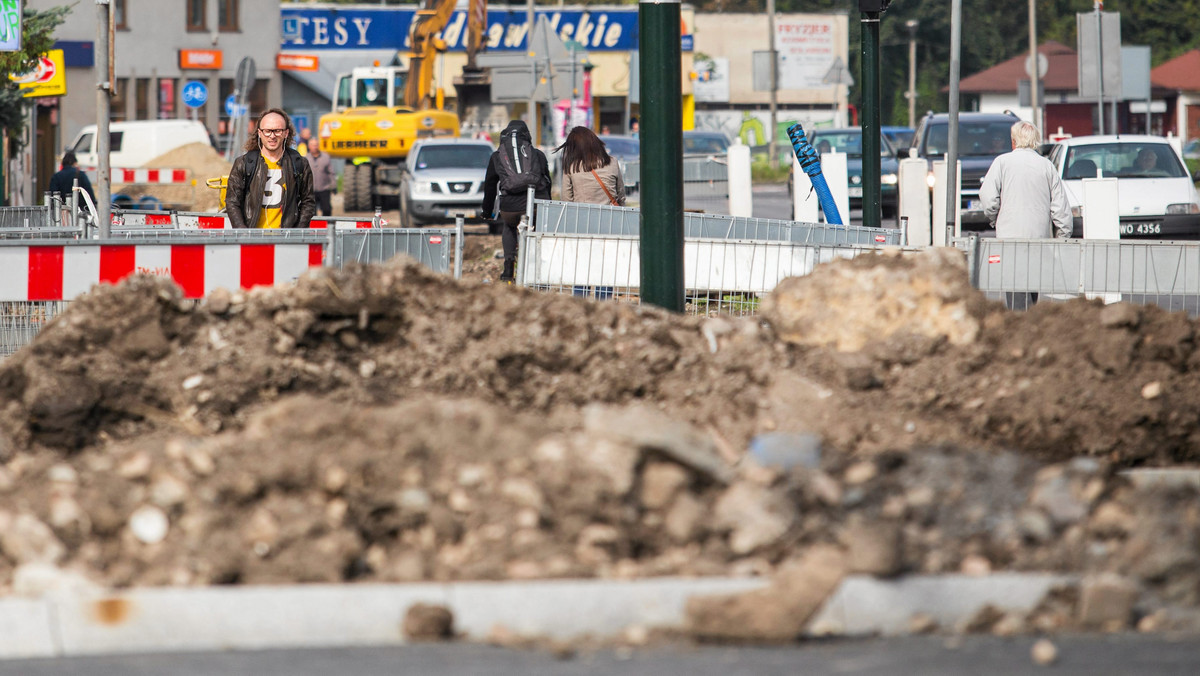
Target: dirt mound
201, 161
390, 424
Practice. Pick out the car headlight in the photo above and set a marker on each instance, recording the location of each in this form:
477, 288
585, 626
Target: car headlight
931, 179
888, 179
422, 188
1183, 208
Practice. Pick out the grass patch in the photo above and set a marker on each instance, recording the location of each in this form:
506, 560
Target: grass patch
762, 171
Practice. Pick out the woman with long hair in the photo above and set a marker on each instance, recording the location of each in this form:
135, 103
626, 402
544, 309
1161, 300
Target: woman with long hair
589, 173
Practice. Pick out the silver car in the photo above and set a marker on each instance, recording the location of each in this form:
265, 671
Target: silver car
443, 178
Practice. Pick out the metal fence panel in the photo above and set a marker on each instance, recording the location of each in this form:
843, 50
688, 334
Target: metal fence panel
20, 322
602, 219
26, 217
717, 272
431, 247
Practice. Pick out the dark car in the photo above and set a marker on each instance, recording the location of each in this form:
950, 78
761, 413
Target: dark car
627, 150
899, 137
981, 138
849, 141
705, 143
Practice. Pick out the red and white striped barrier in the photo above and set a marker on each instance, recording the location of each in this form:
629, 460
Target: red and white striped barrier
156, 176
198, 221
61, 272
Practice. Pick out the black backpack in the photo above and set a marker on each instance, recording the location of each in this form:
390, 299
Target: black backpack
517, 168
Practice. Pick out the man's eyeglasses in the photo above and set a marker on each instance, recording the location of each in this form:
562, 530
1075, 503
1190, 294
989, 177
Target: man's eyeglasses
273, 132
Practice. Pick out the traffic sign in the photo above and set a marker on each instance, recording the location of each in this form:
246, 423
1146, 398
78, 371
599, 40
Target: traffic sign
232, 108
195, 94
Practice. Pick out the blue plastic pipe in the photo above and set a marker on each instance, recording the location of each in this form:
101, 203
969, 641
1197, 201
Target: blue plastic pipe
810, 162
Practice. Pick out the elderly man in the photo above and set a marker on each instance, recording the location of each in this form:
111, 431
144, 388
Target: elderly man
1024, 198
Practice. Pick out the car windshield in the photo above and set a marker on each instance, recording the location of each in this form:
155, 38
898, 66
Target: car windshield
849, 142
975, 139
900, 138
704, 143
453, 157
621, 147
1123, 160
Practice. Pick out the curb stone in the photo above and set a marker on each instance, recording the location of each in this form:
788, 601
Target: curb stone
196, 619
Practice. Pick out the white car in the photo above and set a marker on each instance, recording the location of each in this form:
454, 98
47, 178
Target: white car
1156, 196
443, 178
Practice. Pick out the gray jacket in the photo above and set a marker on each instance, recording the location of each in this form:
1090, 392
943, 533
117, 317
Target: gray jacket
322, 170
1024, 197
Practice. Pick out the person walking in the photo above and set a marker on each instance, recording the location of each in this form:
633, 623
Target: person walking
324, 182
590, 174
1024, 198
513, 168
271, 185
63, 181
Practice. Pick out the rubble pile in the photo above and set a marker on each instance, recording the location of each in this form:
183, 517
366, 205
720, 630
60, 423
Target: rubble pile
387, 424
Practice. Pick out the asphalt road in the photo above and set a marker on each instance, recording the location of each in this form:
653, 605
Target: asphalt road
915, 656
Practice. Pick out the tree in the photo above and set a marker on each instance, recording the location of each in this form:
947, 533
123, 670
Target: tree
37, 38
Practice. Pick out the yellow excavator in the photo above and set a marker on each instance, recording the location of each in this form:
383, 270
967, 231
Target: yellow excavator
379, 112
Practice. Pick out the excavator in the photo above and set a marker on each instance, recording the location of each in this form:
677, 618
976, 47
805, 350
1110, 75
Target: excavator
380, 112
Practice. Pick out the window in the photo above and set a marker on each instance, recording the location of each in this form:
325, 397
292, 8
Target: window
227, 15
141, 99
118, 10
119, 101
197, 11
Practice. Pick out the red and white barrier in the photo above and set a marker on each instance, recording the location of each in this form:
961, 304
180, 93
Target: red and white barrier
155, 176
61, 272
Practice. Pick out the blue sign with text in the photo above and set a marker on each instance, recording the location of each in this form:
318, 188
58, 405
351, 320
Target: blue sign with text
194, 94
606, 30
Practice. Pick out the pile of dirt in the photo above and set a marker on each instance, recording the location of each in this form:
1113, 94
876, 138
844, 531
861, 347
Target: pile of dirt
201, 161
390, 424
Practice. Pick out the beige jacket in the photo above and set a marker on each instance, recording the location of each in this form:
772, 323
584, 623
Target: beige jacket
582, 186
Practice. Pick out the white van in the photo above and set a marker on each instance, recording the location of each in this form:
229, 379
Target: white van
133, 144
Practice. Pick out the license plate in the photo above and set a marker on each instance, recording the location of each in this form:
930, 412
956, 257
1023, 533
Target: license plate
974, 205
1149, 228
453, 213
856, 192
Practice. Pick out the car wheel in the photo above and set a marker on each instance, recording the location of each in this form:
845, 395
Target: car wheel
406, 219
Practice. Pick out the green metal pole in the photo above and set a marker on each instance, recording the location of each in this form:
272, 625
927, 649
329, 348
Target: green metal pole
662, 153
872, 214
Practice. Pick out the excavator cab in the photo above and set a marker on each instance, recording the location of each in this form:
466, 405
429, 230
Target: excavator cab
365, 87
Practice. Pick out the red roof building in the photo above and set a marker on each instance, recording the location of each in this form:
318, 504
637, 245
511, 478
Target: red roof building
1181, 77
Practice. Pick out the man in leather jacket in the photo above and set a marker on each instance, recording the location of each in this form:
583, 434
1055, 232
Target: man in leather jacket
271, 185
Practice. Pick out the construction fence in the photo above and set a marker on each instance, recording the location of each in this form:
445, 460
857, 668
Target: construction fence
731, 262
43, 268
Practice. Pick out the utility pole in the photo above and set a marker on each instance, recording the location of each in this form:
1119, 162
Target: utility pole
661, 122
952, 136
1035, 71
871, 165
772, 154
1098, 6
911, 25
531, 115
103, 106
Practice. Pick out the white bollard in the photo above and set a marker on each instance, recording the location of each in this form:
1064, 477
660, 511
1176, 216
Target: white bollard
1101, 212
938, 221
833, 165
805, 204
741, 197
914, 200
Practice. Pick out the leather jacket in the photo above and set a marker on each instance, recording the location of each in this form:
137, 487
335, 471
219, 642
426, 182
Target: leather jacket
244, 202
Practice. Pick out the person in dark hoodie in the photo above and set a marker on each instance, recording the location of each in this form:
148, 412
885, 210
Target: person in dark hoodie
514, 167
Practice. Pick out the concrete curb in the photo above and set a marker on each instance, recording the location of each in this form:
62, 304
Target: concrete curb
249, 618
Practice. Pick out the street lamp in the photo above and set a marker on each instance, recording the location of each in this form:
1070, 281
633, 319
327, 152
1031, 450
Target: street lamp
911, 94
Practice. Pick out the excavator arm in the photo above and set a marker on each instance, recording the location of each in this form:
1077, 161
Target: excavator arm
423, 48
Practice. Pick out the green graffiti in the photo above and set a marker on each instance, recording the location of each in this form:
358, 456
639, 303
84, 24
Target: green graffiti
753, 132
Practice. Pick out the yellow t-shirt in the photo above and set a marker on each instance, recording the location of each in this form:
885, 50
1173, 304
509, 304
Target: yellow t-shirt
271, 214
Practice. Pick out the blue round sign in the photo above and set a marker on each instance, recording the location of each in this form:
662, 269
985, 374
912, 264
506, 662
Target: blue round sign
232, 108
194, 94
